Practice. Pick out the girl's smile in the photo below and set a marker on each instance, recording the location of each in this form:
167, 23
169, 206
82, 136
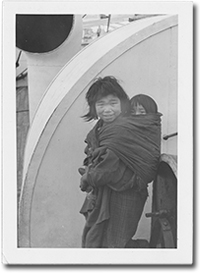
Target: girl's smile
108, 108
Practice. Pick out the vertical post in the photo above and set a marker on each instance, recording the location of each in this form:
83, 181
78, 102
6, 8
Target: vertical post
109, 16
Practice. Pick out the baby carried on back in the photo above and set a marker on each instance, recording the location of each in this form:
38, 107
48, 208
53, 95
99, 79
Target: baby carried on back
135, 139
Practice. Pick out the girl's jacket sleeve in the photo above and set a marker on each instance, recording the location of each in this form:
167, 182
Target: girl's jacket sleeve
111, 171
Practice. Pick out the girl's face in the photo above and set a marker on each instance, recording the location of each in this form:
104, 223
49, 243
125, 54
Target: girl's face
108, 108
139, 110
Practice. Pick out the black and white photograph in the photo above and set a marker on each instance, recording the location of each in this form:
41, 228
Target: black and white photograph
97, 133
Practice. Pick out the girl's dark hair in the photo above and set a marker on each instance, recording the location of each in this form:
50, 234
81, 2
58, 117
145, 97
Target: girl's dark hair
147, 102
103, 87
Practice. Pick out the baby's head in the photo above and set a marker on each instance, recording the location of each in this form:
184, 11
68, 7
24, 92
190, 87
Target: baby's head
142, 104
106, 99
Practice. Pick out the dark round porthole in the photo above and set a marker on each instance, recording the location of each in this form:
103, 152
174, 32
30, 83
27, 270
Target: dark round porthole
42, 33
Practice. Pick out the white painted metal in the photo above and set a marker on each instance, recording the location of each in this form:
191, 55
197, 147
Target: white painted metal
43, 67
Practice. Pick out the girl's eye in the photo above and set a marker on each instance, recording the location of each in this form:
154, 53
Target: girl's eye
99, 104
114, 102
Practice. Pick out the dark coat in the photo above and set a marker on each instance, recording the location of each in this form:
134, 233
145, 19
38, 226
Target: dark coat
114, 207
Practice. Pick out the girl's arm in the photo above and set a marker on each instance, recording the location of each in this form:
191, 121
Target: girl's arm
111, 171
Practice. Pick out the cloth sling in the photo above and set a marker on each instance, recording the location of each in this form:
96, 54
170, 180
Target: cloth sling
135, 140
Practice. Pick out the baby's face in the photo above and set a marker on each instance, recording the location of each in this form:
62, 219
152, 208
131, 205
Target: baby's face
138, 109
108, 108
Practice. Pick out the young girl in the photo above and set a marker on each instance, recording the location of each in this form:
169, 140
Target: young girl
122, 155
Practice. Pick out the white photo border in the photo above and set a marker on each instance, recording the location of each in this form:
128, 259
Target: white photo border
184, 253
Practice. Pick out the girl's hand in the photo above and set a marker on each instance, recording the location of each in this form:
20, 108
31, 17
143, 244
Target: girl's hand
83, 183
81, 170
